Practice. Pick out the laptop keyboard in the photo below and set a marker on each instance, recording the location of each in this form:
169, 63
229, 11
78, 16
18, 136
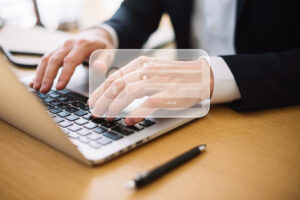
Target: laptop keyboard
70, 111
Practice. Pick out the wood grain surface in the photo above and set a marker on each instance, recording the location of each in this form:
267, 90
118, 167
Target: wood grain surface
249, 156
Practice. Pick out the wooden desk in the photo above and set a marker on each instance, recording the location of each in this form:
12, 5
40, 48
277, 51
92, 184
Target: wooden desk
249, 156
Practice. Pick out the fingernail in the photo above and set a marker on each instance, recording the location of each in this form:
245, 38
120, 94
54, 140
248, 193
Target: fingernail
129, 121
110, 119
59, 85
36, 85
91, 103
93, 113
43, 88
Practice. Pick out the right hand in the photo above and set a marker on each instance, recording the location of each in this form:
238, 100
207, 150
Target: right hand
168, 84
68, 56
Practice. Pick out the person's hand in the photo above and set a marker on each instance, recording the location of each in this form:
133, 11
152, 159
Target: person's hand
68, 56
168, 84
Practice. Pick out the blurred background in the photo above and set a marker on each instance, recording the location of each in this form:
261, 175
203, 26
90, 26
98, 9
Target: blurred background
71, 15
54, 12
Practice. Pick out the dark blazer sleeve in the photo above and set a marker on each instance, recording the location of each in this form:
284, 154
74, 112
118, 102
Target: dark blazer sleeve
267, 80
135, 20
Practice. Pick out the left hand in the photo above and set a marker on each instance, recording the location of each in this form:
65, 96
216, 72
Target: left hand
169, 85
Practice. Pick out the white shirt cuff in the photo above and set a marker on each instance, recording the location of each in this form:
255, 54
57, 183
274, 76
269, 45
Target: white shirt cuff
225, 87
112, 32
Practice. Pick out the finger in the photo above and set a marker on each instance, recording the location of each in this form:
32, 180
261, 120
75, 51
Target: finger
134, 91
135, 82
70, 62
101, 60
103, 102
158, 81
103, 87
40, 71
132, 66
149, 68
186, 71
169, 76
117, 86
31, 83
113, 84
77, 55
54, 63
145, 63
147, 108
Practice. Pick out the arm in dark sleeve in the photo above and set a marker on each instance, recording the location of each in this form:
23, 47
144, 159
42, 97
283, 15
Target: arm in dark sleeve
265, 81
135, 20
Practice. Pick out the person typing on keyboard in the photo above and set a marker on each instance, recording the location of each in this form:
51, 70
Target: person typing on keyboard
260, 68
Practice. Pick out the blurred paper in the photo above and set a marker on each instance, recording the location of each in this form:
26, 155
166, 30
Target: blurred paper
36, 39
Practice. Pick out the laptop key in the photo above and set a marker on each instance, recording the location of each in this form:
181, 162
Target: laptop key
55, 110
99, 130
123, 130
136, 127
108, 124
64, 114
80, 113
77, 96
54, 94
147, 123
65, 91
62, 98
104, 141
63, 106
94, 136
48, 99
65, 124
58, 119
55, 103
99, 120
90, 125
84, 140
74, 128
94, 145
42, 96
87, 116
81, 121
78, 104
73, 135
72, 117
72, 109
84, 132
85, 108
112, 135
69, 101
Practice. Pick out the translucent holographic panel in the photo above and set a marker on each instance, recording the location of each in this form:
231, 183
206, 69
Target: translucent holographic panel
138, 83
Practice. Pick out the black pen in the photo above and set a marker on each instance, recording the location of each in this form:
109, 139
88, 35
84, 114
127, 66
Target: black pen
147, 177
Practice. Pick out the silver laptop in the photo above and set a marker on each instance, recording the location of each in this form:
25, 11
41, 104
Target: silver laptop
62, 119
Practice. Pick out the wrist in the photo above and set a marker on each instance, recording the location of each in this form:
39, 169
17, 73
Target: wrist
205, 63
101, 34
